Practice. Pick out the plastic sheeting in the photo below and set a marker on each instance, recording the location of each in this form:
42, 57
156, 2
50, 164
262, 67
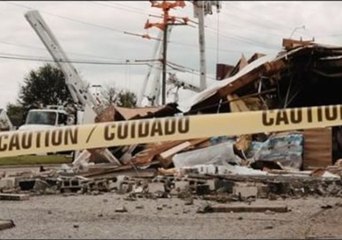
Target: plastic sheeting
218, 154
285, 149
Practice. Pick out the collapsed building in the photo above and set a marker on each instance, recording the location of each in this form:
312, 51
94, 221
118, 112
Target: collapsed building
304, 74
271, 164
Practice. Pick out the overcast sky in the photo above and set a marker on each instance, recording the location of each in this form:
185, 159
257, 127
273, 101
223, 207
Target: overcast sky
94, 31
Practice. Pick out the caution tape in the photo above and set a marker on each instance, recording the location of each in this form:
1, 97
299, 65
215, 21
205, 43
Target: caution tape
108, 134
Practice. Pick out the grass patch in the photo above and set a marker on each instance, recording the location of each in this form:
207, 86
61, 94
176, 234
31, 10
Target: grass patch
35, 160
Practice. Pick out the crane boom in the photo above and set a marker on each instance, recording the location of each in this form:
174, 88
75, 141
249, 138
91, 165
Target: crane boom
77, 88
151, 89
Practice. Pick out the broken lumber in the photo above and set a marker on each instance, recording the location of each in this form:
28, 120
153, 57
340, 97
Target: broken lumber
6, 224
236, 104
165, 157
249, 208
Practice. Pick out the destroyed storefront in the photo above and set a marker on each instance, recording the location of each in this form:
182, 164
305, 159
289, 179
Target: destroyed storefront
223, 168
304, 74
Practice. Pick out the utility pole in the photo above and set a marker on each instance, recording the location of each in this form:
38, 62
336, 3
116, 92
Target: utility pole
202, 8
168, 20
164, 65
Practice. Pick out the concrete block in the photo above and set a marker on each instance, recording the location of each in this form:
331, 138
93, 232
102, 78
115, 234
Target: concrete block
125, 187
71, 185
224, 185
181, 185
263, 191
7, 182
211, 184
279, 187
202, 189
112, 185
40, 185
245, 191
156, 187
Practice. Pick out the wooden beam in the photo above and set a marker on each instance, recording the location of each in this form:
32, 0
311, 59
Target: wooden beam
249, 208
5, 224
14, 197
165, 157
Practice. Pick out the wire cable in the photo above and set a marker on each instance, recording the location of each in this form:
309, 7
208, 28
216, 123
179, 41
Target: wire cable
42, 59
44, 49
239, 38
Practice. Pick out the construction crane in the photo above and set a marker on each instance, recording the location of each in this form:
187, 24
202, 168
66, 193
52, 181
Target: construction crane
76, 86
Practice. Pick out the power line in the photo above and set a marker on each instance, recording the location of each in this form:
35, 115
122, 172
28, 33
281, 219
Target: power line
257, 18
239, 38
70, 19
127, 62
44, 49
119, 31
244, 39
19, 5
42, 59
138, 9
110, 6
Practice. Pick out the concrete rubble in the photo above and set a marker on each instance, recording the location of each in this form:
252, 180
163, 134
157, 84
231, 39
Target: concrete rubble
219, 186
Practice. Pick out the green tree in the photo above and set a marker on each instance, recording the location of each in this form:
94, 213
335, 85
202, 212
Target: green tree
16, 114
122, 98
44, 86
127, 99
109, 95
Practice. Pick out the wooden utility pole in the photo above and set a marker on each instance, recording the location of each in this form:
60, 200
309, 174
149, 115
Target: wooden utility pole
166, 6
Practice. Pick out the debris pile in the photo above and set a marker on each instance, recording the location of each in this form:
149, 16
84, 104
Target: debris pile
298, 76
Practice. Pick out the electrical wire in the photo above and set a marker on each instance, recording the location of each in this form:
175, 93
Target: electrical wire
110, 6
70, 19
127, 62
42, 59
44, 49
256, 21
239, 38
111, 63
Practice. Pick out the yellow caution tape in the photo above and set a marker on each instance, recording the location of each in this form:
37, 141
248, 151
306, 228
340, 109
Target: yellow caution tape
164, 129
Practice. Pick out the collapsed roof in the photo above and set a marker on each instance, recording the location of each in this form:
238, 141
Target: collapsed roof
303, 74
